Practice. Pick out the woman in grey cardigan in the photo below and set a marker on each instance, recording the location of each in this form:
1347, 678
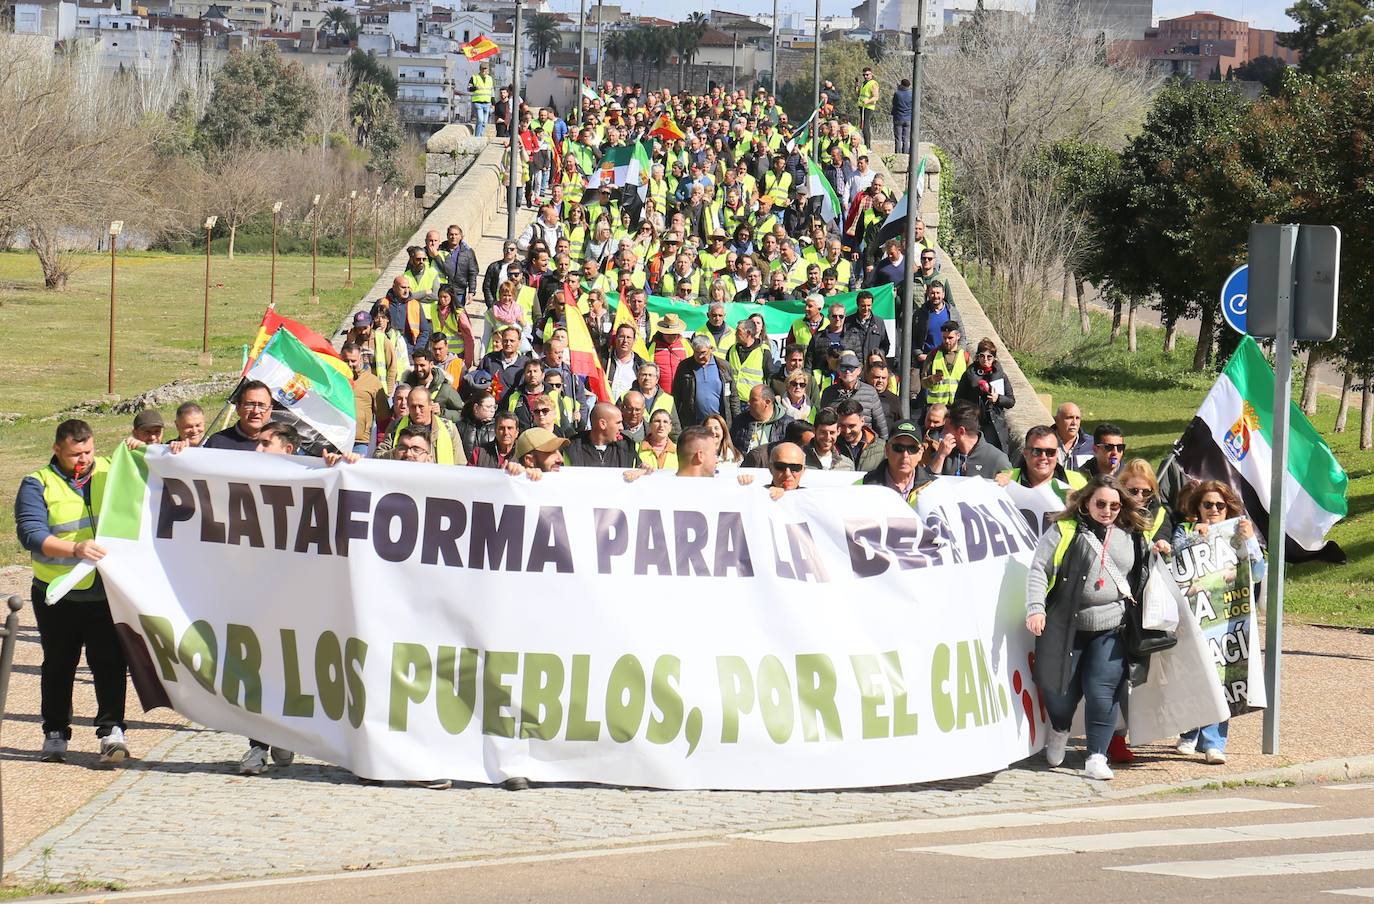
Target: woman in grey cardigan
1087, 569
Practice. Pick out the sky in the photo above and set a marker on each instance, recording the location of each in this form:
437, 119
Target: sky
1261, 13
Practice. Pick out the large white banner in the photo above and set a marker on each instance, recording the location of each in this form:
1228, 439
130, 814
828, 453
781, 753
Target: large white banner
412, 621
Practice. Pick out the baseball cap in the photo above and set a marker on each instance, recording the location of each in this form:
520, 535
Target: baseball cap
148, 418
362, 318
848, 360
908, 429
537, 439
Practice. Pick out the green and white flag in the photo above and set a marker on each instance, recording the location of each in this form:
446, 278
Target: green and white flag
1230, 440
817, 186
307, 387
621, 166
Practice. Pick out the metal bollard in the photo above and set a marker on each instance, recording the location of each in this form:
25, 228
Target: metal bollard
9, 635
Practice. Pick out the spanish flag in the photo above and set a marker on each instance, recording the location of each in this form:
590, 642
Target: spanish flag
479, 48
665, 128
322, 347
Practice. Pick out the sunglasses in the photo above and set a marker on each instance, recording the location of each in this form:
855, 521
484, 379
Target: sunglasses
542, 410
1213, 506
796, 383
1112, 447
788, 466
1105, 506
1140, 492
1040, 452
904, 448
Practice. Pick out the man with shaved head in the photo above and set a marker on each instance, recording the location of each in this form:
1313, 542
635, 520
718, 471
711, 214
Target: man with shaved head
407, 315
603, 445
787, 463
1075, 447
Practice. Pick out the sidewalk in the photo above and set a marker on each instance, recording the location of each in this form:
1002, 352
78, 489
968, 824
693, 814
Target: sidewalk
180, 812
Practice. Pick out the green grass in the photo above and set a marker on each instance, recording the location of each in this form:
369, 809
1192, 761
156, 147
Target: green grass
1152, 397
56, 355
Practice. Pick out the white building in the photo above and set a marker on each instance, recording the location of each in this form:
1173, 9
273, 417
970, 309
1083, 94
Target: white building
900, 16
55, 19
424, 85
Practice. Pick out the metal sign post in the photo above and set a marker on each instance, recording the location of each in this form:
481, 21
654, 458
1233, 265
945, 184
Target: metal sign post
1292, 286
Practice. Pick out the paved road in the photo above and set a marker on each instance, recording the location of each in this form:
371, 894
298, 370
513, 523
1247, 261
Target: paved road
1283, 844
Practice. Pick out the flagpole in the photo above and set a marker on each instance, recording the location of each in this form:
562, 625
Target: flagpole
1278, 533
912, 211
514, 130
598, 45
774, 64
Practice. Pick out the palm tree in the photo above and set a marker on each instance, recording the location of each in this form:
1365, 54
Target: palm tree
686, 40
632, 45
542, 30
367, 107
339, 21
662, 45
614, 47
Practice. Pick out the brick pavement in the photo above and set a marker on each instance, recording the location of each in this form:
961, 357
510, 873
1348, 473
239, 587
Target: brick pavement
184, 814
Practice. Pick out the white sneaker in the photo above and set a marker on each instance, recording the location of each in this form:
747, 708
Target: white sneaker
283, 757
1215, 757
254, 762
1096, 768
1186, 746
1054, 747
54, 748
113, 750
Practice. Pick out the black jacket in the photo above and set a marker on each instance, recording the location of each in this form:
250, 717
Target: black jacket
685, 392
991, 415
582, 453
459, 267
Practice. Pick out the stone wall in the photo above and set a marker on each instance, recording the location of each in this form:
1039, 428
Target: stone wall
469, 201
1029, 410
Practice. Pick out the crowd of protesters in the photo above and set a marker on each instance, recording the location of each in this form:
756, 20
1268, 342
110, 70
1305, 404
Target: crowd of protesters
489, 364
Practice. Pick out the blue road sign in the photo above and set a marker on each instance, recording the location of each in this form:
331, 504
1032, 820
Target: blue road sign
1235, 294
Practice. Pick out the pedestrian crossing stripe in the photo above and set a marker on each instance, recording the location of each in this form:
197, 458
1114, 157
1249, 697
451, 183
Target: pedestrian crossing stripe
1017, 819
1249, 867
1174, 837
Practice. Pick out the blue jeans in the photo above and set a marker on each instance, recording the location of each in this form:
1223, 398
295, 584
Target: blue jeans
1209, 737
483, 111
1097, 666
363, 449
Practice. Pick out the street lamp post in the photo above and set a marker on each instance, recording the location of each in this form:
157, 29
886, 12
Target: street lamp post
734, 52
912, 207
598, 45
815, 118
581, 56
774, 64
115, 228
314, 247
376, 239
272, 292
205, 329
514, 130
352, 196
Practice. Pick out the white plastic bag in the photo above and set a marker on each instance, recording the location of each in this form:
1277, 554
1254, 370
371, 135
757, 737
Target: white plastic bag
1159, 608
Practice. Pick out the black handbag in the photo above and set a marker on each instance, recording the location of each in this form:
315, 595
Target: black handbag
1142, 642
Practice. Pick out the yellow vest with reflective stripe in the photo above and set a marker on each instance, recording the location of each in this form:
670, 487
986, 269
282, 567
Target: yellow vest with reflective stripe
943, 392
868, 95
670, 280
712, 263
843, 270
749, 372
443, 443
777, 187
451, 326
481, 89
70, 519
426, 283
383, 357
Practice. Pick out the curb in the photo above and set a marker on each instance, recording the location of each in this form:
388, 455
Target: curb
1335, 769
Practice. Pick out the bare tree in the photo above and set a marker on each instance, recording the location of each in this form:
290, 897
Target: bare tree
1310, 382
1008, 90
241, 184
1367, 416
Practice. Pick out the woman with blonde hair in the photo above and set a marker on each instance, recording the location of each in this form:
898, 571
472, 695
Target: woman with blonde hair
1089, 568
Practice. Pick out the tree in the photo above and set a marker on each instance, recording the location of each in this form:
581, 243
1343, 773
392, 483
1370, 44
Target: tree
999, 103
1267, 70
686, 40
241, 183
1092, 194
368, 105
363, 67
387, 139
542, 30
1173, 169
258, 101
339, 22
614, 48
1330, 32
